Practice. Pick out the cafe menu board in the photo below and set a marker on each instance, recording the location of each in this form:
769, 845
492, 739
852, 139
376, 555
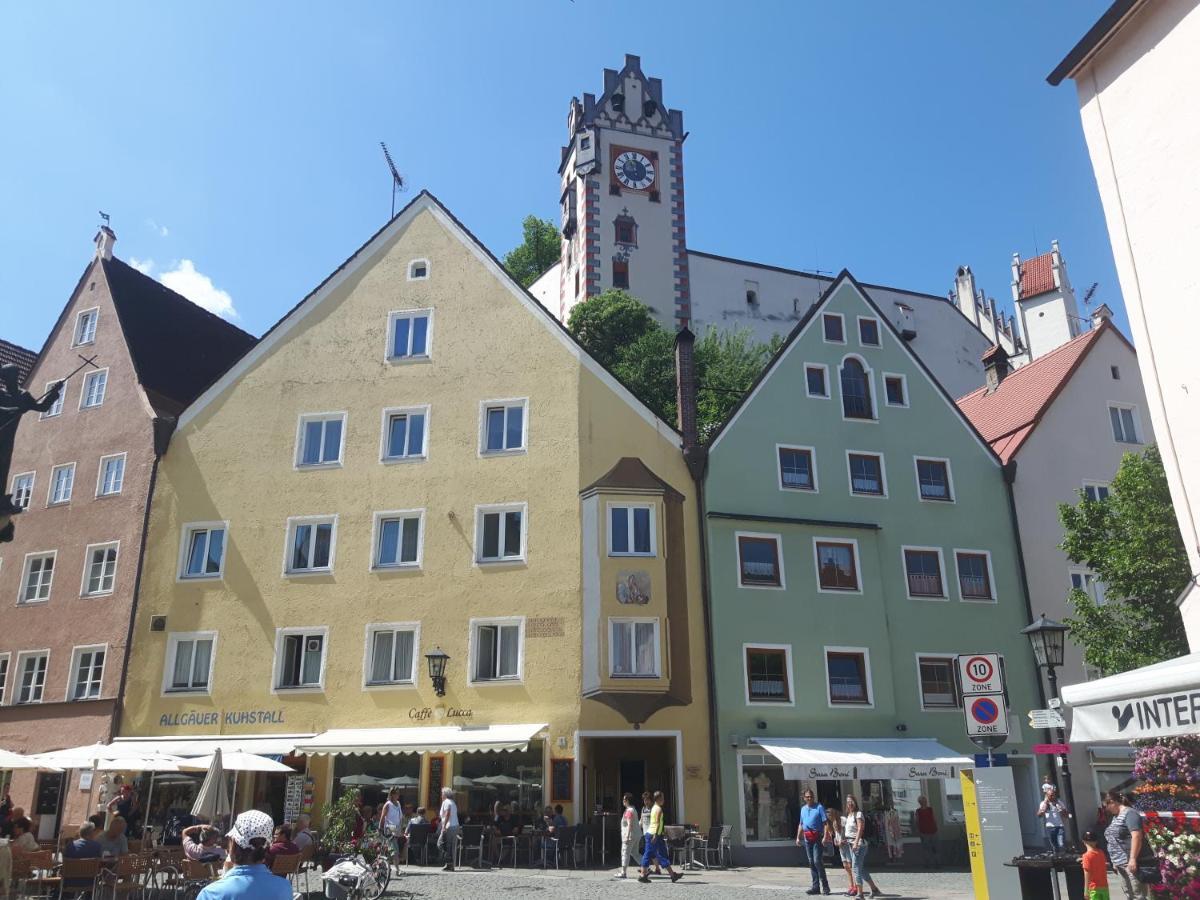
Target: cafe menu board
437, 775
293, 797
561, 780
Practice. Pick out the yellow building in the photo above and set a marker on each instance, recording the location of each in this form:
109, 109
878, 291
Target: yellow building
419, 457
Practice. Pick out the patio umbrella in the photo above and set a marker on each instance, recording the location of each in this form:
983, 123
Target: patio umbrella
212, 800
400, 781
498, 779
359, 781
463, 781
241, 761
10, 760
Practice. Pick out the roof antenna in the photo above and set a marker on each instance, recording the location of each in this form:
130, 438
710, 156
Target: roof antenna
397, 180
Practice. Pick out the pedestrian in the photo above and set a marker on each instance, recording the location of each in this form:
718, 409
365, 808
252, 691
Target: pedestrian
1054, 812
630, 831
448, 827
927, 830
647, 805
810, 835
656, 843
854, 834
249, 878
390, 824
1127, 845
841, 852
1095, 868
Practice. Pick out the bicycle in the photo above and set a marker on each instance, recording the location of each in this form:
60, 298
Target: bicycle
358, 879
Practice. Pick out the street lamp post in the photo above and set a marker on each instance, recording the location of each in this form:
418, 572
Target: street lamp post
437, 660
1049, 639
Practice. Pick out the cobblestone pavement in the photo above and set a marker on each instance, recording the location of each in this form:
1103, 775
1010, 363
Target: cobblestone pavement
761, 881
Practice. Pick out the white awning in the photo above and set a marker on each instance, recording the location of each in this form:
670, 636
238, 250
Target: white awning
1161, 700
809, 758
468, 739
201, 745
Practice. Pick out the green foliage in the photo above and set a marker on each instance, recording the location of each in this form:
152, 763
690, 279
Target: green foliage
1132, 542
337, 820
537, 252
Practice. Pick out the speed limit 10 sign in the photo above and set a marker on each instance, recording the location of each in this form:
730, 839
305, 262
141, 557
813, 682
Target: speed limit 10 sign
979, 673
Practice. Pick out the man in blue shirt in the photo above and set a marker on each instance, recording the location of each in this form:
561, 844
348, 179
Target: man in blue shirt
85, 846
811, 836
249, 879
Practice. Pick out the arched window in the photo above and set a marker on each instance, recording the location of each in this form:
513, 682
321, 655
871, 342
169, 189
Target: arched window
856, 391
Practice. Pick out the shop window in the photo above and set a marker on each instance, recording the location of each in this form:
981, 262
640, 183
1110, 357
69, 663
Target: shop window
62, 484
634, 648
848, 676
868, 332
37, 577
866, 474
301, 656
319, 442
398, 539
512, 778
933, 480
112, 475
923, 569
87, 672
856, 391
768, 675
410, 335
404, 433
816, 380
203, 550
100, 569
769, 799
937, 682
32, 672
504, 426
631, 530
85, 326
759, 563
833, 328
837, 566
311, 544
500, 533
393, 655
22, 489
94, 386
896, 390
496, 647
189, 662
620, 274
974, 575
796, 469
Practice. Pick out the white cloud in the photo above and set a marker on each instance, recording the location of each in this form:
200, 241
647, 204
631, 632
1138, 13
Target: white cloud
198, 287
162, 230
145, 266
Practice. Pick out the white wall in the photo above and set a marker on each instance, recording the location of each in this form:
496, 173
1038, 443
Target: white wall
1138, 101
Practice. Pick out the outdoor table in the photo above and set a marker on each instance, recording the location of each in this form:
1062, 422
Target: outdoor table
1039, 876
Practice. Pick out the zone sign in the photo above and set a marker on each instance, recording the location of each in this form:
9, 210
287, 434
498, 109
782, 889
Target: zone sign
979, 673
986, 716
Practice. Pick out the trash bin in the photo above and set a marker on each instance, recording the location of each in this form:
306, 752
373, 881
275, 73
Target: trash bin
1036, 874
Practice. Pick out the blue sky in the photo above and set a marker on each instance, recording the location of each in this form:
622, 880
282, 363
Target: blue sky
236, 145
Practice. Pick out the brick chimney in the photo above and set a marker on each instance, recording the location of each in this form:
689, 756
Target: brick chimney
105, 238
685, 400
995, 366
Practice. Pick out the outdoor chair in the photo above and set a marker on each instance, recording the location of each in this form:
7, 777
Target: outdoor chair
33, 873
78, 876
287, 866
308, 864
583, 845
558, 843
126, 878
709, 847
418, 842
676, 838
513, 843
471, 839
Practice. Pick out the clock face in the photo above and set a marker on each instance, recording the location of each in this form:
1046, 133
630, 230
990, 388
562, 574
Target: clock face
634, 170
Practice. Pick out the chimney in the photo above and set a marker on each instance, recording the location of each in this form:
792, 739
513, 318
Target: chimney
995, 366
104, 242
685, 400
964, 292
1101, 314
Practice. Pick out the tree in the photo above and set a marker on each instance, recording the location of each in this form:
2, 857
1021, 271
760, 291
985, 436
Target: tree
539, 250
1131, 541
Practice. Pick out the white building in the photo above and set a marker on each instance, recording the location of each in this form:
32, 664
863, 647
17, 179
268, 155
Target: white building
1138, 77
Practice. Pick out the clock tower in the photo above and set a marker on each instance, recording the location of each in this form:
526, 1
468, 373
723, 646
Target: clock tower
622, 198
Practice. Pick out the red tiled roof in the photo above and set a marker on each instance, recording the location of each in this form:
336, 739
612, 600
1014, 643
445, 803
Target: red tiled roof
22, 358
1008, 415
1037, 275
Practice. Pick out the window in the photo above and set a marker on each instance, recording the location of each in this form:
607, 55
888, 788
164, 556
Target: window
936, 676
57, 406
866, 474
398, 539
310, 544
100, 571
849, 677
974, 575
418, 270
796, 469
85, 326
933, 480
856, 391
301, 659
631, 530
1083, 580
620, 274
189, 662
768, 675
4, 657
625, 232
87, 668
1116, 372
35, 580
497, 649
32, 667
816, 381
504, 424
923, 569
833, 328
320, 439
94, 384
868, 332
500, 533
404, 433
62, 481
112, 475
634, 648
203, 550
759, 560
410, 335
393, 654
1095, 491
837, 565
22, 489
896, 390
1124, 424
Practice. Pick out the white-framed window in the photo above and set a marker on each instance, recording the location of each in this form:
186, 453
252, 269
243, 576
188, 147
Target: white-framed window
300, 658
189, 664
405, 434
797, 468
833, 328
399, 537
975, 575
1096, 490
760, 560
767, 671
5, 662
1086, 581
320, 439
934, 479
99, 569
848, 677
500, 531
110, 479
503, 426
631, 530
816, 380
410, 335
57, 406
418, 270
895, 390
868, 477
837, 565
202, 550
36, 576
923, 573
87, 672
94, 385
85, 326
633, 648
392, 654
497, 649
858, 401
868, 331
22, 489
935, 682
62, 484
1125, 426
311, 543
31, 674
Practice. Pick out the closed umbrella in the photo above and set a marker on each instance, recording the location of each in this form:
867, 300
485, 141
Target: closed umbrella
212, 802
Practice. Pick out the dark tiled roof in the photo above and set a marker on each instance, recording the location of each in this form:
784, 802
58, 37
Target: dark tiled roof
631, 474
20, 357
1037, 275
178, 348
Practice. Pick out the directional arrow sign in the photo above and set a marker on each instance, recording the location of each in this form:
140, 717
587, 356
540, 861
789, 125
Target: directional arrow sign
986, 716
1046, 718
